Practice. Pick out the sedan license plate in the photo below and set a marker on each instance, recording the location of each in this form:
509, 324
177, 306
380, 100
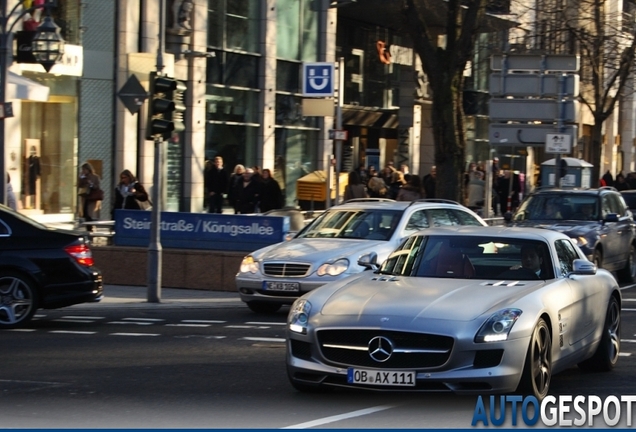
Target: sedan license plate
281, 286
381, 378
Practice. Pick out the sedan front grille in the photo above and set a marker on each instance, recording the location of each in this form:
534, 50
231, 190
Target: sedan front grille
410, 350
286, 269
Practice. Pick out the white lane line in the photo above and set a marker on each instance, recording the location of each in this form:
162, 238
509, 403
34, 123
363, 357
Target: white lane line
204, 321
627, 310
39, 316
200, 336
130, 323
21, 330
81, 317
262, 339
134, 334
264, 323
73, 320
143, 319
629, 299
246, 327
339, 417
72, 332
187, 325
628, 340
624, 354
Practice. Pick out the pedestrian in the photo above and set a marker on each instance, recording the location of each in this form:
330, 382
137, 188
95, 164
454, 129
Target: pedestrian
235, 178
246, 193
11, 201
429, 182
387, 173
280, 175
397, 181
271, 197
130, 194
476, 190
377, 188
621, 184
217, 182
354, 188
412, 190
90, 193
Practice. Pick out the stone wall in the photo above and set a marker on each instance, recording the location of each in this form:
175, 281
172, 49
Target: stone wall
197, 269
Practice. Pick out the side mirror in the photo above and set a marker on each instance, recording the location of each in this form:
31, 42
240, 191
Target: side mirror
611, 217
369, 261
583, 267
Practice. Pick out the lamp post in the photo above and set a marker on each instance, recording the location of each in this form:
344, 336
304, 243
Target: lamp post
47, 48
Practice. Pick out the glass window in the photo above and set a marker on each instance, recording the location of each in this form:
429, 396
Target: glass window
566, 254
297, 29
401, 260
288, 76
417, 221
443, 217
234, 24
223, 104
365, 224
465, 218
231, 69
296, 153
236, 144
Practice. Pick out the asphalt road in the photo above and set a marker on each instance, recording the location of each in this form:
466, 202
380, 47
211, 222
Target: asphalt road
211, 363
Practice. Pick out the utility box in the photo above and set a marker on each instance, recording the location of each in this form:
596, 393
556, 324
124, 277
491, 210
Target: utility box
578, 173
311, 190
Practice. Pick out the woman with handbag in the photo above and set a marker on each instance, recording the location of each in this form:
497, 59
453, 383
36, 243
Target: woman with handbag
90, 193
130, 194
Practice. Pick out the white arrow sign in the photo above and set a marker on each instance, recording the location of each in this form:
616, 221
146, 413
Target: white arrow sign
558, 143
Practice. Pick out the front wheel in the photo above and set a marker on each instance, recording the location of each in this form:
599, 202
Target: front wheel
628, 273
18, 300
606, 355
597, 258
537, 370
263, 307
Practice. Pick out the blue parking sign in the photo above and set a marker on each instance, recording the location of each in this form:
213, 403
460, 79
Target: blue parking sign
318, 79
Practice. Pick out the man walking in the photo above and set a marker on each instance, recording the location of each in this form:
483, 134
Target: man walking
217, 181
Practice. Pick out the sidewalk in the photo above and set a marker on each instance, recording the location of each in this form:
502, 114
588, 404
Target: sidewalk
136, 297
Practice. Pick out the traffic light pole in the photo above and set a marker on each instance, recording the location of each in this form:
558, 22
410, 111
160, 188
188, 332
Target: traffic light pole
154, 247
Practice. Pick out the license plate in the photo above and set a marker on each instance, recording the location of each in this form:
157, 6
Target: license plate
381, 378
281, 286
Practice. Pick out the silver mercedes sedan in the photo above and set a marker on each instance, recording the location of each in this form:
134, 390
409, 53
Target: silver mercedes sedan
329, 248
468, 310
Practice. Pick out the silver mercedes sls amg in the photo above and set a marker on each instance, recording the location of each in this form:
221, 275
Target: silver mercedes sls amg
469, 310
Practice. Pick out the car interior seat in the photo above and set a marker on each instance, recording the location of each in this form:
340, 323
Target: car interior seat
361, 230
453, 263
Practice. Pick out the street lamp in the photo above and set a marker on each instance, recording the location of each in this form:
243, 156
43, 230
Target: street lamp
47, 47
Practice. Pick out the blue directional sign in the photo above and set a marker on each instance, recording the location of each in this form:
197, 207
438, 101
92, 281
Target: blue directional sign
318, 79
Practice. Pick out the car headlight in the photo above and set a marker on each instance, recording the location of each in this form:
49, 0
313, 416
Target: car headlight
249, 265
333, 269
498, 326
580, 241
299, 316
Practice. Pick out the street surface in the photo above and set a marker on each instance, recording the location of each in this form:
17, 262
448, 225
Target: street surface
213, 364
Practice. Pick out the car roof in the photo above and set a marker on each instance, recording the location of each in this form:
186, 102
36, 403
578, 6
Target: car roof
524, 233
387, 204
575, 191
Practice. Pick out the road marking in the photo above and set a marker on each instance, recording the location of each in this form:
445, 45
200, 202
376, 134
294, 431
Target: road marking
262, 339
73, 320
629, 340
339, 417
624, 354
187, 325
134, 334
628, 310
629, 299
200, 336
246, 327
265, 323
143, 319
21, 330
130, 323
72, 332
81, 317
204, 321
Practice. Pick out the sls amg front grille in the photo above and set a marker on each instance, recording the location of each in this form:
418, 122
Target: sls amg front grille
286, 269
408, 350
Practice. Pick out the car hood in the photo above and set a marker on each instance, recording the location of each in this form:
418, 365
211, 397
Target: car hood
319, 249
572, 228
428, 298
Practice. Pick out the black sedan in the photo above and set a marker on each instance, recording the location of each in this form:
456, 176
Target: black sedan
42, 267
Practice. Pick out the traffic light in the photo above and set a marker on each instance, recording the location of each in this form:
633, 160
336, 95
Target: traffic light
166, 107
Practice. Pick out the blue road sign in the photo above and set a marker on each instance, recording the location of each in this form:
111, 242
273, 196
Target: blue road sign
318, 79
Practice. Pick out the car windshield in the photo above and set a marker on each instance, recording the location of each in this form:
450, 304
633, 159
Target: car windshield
470, 257
376, 224
559, 207
630, 200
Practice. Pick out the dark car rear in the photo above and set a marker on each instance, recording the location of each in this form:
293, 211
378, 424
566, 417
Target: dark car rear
42, 267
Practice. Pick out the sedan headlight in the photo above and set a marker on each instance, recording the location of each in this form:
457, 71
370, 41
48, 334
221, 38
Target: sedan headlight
498, 326
299, 316
580, 241
333, 269
249, 265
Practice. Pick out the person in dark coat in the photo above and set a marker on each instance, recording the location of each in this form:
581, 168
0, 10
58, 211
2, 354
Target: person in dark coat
271, 197
247, 193
429, 183
128, 192
217, 181
235, 178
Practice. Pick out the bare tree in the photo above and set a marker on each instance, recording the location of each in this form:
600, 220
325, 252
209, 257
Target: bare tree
444, 64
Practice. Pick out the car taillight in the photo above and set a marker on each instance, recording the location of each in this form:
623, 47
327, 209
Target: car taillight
81, 253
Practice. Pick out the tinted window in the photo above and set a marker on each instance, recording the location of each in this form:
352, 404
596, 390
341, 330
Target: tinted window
402, 259
417, 221
466, 218
566, 255
358, 224
443, 217
630, 200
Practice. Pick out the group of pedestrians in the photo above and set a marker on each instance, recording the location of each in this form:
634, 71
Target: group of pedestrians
399, 185
248, 190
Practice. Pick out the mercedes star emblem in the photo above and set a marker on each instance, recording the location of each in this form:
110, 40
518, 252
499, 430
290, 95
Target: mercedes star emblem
380, 349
